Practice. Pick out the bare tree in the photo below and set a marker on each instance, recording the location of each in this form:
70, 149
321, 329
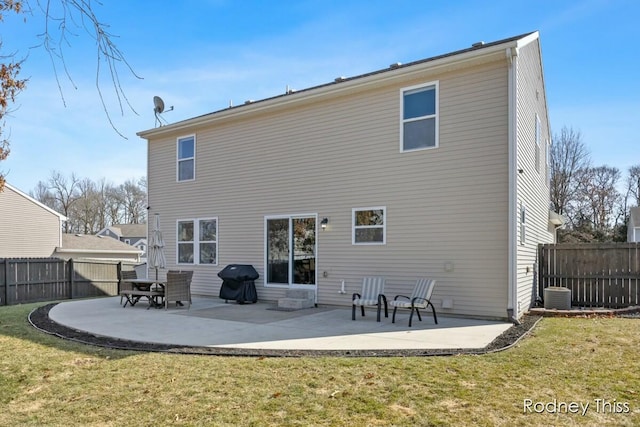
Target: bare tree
569, 158
61, 18
92, 206
67, 16
599, 200
135, 202
113, 205
64, 194
86, 208
42, 194
633, 186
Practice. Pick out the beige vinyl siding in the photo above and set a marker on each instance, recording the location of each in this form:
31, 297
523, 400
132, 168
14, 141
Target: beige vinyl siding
532, 184
444, 206
27, 229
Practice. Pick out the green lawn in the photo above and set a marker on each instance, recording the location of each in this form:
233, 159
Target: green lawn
596, 362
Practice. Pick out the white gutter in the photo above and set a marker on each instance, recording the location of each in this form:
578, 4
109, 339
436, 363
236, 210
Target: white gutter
512, 293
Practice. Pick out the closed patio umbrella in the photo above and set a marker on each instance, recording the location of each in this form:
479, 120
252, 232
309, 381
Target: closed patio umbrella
156, 247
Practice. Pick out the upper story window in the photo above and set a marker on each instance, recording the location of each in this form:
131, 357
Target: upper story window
419, 127
369, 226
187, 158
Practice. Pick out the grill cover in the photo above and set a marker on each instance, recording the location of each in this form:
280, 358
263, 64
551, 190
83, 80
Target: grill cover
238, 283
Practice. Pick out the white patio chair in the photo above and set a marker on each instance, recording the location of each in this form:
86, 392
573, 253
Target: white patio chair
372, 294
420, 298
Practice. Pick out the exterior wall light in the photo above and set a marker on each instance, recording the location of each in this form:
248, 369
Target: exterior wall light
324, 223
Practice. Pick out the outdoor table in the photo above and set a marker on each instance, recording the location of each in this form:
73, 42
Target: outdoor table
143, 288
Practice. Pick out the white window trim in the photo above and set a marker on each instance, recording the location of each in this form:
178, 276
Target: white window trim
178, 159
265, 250
196, 240
436, 85
384, 226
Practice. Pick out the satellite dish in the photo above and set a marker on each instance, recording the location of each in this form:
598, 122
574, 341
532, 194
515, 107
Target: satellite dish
158, 108
158, 105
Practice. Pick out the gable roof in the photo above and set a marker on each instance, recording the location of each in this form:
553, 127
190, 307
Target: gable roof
129, 230
34, 201
89, 243
476, 51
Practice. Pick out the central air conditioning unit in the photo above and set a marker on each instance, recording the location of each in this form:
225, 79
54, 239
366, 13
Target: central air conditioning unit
557, 297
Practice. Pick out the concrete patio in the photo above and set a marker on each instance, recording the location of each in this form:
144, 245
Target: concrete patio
212, 323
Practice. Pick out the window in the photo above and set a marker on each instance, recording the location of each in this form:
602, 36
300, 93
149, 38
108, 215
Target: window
198, 241
369, 226
187, 158
419, 112
208, 241
538, 138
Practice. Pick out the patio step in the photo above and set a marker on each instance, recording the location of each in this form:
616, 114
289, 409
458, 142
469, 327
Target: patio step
297, 299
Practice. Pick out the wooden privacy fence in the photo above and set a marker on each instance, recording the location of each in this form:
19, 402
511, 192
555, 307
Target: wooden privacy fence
26, 280
598, 274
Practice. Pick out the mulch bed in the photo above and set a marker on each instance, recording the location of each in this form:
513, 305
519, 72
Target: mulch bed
39, 318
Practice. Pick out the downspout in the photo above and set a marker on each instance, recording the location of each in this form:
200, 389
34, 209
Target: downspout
512, 287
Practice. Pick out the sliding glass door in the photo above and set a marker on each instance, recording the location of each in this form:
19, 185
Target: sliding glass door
291, 250
278, 250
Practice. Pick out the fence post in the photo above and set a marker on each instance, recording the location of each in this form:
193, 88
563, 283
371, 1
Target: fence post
541, 272
71, 281
119, 275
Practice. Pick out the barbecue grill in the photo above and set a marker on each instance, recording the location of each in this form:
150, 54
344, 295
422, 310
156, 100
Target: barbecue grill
238, 283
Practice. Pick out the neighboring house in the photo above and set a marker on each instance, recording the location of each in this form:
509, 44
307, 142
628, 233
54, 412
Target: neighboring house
131, 234
633, 226
27, 227
86, 246
437, 168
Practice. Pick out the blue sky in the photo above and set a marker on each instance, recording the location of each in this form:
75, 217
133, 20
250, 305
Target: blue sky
202, 55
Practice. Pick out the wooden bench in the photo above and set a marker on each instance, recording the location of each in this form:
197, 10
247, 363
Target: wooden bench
134, 295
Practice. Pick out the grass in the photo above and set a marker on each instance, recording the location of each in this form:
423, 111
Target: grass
48, 381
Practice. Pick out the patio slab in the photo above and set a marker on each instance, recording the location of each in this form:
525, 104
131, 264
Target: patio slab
212, 323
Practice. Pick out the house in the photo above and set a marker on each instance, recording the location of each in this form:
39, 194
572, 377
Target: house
633, 226
131, 234
86, 246
28, 228
434, 168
